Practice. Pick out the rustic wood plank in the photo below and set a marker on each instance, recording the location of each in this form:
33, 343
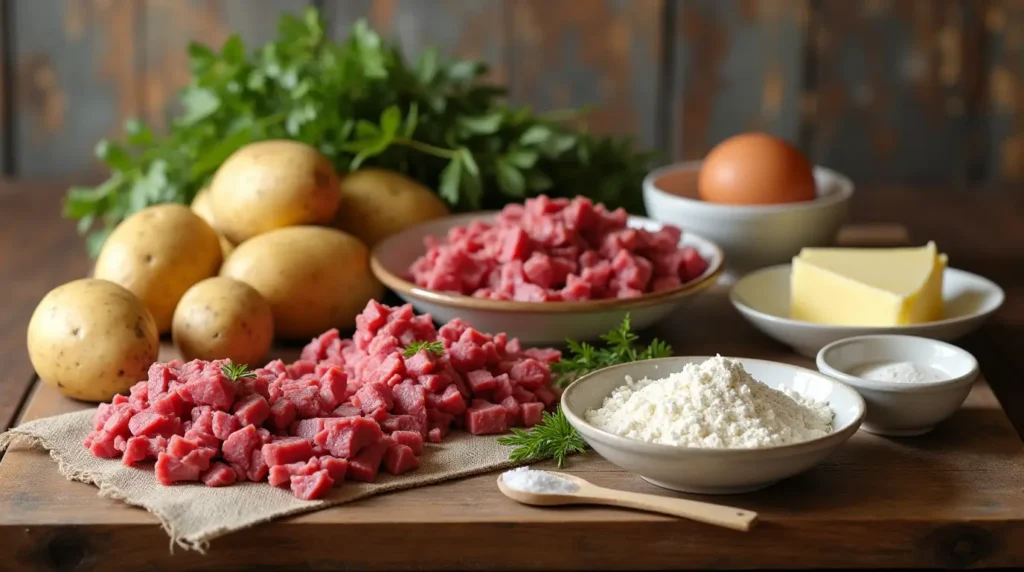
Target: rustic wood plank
35, 256
1004, 26
893, 89
170, 25
475, 30
599, 54
738, 67
75, 76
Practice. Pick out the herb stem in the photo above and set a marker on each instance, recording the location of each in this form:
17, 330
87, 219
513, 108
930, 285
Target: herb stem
426, 147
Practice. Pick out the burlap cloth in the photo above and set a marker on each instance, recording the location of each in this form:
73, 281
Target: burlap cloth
193, 514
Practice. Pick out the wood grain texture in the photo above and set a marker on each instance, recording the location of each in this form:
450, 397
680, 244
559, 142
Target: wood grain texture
738, 67
475, 30
893, 89
601, 53
1004, 27
76, 62
34, 258
169, 27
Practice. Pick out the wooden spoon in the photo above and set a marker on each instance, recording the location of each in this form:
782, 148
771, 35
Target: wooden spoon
589, 493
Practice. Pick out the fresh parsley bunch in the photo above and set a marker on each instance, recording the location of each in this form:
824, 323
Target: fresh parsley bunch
360, 103
555, 438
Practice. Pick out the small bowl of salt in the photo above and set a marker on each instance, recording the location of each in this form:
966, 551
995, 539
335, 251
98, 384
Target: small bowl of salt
910, 384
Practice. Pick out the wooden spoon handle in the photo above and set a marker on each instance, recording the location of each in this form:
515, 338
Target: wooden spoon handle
720, 515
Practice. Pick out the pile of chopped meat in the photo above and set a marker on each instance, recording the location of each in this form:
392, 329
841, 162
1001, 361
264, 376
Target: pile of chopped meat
551, 250
346, 408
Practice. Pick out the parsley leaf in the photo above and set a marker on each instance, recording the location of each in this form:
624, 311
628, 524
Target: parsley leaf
436, 348
235, 372
554, 439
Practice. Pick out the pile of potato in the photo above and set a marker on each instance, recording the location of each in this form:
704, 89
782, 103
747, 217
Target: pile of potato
277, 247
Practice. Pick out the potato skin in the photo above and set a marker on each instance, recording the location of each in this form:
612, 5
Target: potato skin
157, 254
201, 206
314, 278
273, 184
222, 318
376, 203
92, 339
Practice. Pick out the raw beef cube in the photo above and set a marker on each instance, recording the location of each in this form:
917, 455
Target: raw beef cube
504, 387
308, 428
332, 388
531, 413
373, 316
316, 350
434, 382
300, 368
530, 373
452, 401
546, 355
545, 395
409, 398
392, 365
305, 400
466, 356
692, 265
346, 410
200, 458
258, 467
511, 407
179, 447
335, 467
364, 466
373, 396
136, 449
218, 475
346, 436
434, 435
312, 487
170, 403
576, 289
285, 451
119, 421
120, 443
480, 381
147, 423
411, 439
103, 412
158, 379
224, 424
202, 437
251, 410
421, 363
282, 414
239, 446
400, 423
399, 459
281, 475
170, 470
484, 418
665, 283
523, 395
139, 396
119, 399
213, 389
101, 444
156, 445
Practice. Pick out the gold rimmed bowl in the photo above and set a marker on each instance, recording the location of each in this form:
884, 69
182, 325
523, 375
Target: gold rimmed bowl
534, 323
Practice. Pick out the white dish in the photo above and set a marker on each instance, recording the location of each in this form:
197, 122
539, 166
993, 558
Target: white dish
752, 236
763, 299
534, 323
895, 408
713, 471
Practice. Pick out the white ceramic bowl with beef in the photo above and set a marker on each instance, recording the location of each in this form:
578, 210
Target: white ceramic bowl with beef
752, 236
534, 323
712, 470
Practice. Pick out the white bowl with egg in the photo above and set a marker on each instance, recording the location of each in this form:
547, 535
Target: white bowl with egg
752, 236
707, 470
909, 383
763, 298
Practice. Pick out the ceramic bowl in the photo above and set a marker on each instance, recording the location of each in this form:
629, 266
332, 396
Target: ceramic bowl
713, 471
534, 323
752, 236
902, 409
763, 299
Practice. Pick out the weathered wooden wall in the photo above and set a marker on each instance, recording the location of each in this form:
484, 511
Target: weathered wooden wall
888, 91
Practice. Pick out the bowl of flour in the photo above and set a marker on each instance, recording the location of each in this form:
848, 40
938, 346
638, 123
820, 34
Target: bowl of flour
712, 424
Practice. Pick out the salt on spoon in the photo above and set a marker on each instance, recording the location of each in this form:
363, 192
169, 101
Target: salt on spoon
543, 488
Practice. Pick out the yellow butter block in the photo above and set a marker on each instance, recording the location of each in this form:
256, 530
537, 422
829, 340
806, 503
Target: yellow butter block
867, 286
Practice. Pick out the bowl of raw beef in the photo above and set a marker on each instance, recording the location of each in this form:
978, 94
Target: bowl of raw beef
548, 270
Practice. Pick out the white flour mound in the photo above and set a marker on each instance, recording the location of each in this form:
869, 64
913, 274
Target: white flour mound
716, 404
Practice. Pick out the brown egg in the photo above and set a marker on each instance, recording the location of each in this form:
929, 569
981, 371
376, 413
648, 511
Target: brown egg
755, 169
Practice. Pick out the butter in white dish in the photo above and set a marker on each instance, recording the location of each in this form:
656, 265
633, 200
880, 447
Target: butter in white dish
899, 372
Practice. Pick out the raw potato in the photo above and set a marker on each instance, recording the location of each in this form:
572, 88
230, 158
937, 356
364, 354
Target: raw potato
273, 184
201, 206
221, 318
92, 339
157, 254
376, 203
314, 278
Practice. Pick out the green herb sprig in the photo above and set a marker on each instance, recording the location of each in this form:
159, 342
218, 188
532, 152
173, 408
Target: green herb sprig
555, 438
235, 372
436, 348
360, 103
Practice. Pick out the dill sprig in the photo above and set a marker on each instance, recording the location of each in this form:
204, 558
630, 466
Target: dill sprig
235, 372
555, 438
412, 349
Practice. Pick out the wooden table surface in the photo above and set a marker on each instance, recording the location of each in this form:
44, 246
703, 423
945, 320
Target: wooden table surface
953, 498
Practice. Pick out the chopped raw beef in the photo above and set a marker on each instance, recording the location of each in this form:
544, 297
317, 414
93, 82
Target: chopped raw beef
252, 410
218, 475
411, 439
399, 459
483, 418
311, 487
364, 466
285, 451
